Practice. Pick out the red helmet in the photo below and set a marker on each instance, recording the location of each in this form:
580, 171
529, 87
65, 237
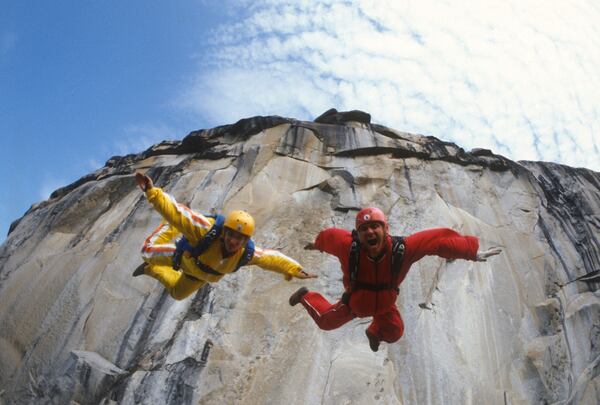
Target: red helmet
370, 214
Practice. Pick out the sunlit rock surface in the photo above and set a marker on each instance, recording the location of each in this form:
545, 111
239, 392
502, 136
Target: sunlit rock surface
75, 326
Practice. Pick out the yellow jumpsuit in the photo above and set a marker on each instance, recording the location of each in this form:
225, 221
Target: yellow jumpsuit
159, 248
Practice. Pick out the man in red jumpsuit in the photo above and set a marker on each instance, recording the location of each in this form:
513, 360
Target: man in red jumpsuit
374, 288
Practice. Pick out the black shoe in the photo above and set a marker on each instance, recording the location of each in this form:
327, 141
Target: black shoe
139, 270
297, 296
373, 341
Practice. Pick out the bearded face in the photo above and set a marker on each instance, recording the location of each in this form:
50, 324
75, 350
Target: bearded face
372, 235
233, 240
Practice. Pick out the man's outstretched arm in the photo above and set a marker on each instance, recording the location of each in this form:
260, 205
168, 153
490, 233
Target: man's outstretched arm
276, 261
334, 241
446, 243
188, 222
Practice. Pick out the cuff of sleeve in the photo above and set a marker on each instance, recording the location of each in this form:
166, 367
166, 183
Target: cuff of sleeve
293, 273
319, 241
152, 193
474, 246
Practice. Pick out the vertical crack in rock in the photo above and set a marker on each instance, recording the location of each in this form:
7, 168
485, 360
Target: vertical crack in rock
153, 359
428, 304
200, 304
139, 349
205, 352
243, 164
406, 173
114, 234
111, 192
585, 377
179, 391
293, 141
546, 232
565, 336
326, 384
595, 342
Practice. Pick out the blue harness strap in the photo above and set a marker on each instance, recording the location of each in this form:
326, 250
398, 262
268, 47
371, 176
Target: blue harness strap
212, 235
183, 245
247, 256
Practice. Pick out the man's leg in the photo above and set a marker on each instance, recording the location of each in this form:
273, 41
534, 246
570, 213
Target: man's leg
387, 327
159, 247
326, 315
158, 252
178, 284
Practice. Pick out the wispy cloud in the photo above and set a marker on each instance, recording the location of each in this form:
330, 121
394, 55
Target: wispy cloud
134, 139
138, 137
516, 77
49, 185
93, 164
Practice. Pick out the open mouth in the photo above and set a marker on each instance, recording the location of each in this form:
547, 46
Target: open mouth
373, 241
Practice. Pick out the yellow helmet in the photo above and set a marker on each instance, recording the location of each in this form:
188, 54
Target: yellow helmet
241, 222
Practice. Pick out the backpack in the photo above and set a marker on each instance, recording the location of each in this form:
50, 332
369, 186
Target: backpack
183, 245
397, 257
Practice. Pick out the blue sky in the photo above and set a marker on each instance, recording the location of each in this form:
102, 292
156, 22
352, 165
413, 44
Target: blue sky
81, 81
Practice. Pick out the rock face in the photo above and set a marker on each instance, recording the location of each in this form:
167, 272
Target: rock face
75, 326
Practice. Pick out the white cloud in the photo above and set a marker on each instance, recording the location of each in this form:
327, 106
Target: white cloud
516, 77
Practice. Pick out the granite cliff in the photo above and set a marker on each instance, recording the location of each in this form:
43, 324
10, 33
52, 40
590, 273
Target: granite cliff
75, 326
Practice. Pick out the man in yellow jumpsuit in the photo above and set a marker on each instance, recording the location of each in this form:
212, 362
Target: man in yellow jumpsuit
220, 258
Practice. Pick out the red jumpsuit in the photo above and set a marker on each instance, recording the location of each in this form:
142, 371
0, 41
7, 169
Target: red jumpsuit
387, 324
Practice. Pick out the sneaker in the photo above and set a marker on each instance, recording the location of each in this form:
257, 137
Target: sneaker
373, 341
139, 270
297, 296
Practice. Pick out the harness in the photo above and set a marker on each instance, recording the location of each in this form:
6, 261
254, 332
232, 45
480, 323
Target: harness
397, 256
183, 245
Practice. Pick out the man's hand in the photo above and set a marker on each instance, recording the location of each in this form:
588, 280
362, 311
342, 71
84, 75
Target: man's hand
303, 274
143, 181
310, 246
482, 256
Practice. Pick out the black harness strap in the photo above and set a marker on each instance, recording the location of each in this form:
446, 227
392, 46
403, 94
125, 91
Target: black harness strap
244, 260
396, 264
246, 256
191, 277
374, 287
207, 269
354, 256
397, 256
